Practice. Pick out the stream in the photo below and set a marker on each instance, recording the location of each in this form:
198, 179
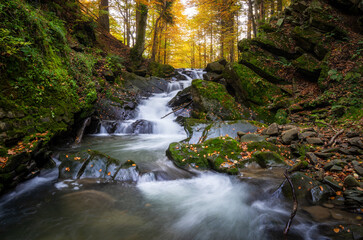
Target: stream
164, 202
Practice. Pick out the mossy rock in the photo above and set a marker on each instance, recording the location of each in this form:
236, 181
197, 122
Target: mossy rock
302, 185
161, 70
252, 90
212, 101
308, 66
262, 63
91, 164
220, 154
267, 159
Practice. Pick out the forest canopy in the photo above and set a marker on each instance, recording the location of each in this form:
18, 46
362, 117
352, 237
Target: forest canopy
186, 33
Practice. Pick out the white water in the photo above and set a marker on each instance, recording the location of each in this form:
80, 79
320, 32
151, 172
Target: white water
153, 111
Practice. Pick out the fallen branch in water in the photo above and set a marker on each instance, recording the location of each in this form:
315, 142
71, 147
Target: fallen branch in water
294, 209
184, 106
334, 137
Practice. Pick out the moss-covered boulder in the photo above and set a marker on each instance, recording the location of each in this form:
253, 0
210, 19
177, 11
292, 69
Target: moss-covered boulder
267, 159
161, 70
252, 90
212, 101
94, 164
308, 65
221, 154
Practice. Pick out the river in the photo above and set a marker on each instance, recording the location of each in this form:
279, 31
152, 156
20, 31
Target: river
164, 202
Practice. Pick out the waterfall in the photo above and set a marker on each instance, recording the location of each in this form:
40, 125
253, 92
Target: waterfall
151, 110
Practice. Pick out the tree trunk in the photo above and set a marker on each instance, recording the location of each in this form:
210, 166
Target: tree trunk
211, 44
165, 41
103, 18
272, 7
279, 5
262, 11
141, 20
250, 10
155, 39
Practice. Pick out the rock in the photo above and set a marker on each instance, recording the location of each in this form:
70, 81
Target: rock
289, 135
299, 166
141, 72
338, 110
308, 134
181, 98
267, 159
318, 213
311, 156
336, 168
272, 130
331, 182
240, 134
302, 185
211, 101
215, 67
315, 141
93, 164
336, 216
140, 127
352, 134
211, 76
320, 193
223, 61
252, 138
355, 141
353, 198
272, 140
2, 113
358, 168
199, 157
324, 155
350, 181
109, 76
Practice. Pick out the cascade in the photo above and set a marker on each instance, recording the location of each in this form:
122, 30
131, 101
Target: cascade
150, 111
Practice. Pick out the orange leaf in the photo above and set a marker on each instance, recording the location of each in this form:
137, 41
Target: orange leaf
321, 188
336, 230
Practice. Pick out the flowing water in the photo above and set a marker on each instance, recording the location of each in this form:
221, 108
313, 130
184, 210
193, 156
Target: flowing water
163, 202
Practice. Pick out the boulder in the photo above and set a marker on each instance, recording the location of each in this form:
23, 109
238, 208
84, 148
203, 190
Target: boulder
211, 76
267, 159
329, 180
302, 185
350, 181
215, 67
320, 193
311, 156
272, 130
289, 135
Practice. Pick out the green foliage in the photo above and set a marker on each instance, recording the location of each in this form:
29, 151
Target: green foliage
160, 70
115, 64
335, 75
41, 77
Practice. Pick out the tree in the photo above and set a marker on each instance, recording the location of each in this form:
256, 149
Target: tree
104, 15
141, 23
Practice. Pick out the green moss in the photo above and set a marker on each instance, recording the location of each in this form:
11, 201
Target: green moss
268, 158
160, 70
220, 154
213, 102
307, 65
281, 117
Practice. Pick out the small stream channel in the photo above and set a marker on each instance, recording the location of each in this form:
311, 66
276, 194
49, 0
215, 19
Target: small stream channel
163, 202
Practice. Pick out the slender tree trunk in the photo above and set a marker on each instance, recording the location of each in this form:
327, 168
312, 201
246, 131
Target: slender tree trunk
103, 18
250, 10
205, 49
279, 5
155, 39
262, 11
165, 41
127, 22
141, 20
249, 23
272, 7
211, 44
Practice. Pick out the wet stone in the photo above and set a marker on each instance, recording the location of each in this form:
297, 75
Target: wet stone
318, 213
358, 168
305, 135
